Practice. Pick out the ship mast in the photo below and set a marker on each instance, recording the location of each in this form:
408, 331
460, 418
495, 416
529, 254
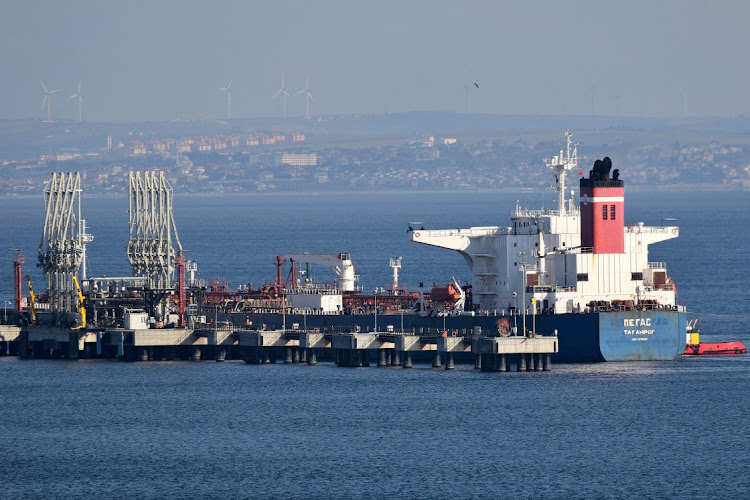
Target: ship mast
560, 165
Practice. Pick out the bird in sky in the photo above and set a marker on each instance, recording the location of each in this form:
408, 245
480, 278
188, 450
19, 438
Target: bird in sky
476, 84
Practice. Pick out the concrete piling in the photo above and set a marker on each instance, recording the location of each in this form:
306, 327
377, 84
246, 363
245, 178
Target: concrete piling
449, 364
436, 360
521, 363
311, 359
547, 362
381, 358
407, 360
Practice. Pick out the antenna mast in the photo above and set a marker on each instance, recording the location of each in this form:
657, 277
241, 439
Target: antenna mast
560, 165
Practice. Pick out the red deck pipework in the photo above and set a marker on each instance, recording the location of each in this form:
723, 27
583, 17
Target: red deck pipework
279, 265
180, 261
18, 261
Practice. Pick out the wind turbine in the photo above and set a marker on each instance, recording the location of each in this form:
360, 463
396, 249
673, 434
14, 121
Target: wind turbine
284, 94
80, 100
229, 98
308, 97
47, 100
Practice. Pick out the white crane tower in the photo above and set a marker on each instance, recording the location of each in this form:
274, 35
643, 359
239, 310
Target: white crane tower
61, 247
395, 263
150, 250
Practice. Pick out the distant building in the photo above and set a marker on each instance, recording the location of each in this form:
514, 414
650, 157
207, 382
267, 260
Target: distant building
297, 159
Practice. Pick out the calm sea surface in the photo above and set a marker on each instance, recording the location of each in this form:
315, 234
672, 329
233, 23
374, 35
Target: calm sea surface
206, 429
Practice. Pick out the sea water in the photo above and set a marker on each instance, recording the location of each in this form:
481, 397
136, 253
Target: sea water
205, 429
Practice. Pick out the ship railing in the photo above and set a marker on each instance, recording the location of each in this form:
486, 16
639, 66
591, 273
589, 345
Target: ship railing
657, 265
542, 212
549, 289
474, 231
312, 290
652, 229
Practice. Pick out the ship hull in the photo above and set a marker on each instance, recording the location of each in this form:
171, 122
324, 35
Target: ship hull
590, 337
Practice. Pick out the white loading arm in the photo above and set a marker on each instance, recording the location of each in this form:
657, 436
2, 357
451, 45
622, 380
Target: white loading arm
458, 307
340, 263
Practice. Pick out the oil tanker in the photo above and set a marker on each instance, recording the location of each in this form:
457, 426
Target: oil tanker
577, 272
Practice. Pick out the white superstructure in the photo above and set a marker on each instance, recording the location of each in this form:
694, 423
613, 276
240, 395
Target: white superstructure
540, 255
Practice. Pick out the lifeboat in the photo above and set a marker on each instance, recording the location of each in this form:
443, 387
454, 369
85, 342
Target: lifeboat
715, 348
695, 347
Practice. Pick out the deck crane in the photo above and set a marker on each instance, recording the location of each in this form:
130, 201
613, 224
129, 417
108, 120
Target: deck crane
340, 263
81, 308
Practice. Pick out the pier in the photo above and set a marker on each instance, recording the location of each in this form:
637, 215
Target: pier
346, 349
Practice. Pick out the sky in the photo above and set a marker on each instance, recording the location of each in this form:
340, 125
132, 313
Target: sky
163, 60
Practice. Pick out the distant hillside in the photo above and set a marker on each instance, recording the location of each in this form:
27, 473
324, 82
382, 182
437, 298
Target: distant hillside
28, 139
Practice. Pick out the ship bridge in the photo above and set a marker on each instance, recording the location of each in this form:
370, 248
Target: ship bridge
564, 258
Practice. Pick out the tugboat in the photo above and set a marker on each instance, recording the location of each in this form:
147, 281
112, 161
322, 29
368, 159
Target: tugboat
694, 346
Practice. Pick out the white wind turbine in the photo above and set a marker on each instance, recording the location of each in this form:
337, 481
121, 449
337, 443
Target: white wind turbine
308, 97
229, 98
80, 100
47, 100
284, 94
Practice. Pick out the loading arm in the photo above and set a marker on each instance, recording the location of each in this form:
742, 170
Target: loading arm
81, 308
32, 300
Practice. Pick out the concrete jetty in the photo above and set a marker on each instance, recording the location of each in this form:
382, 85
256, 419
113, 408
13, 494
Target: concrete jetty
347, 349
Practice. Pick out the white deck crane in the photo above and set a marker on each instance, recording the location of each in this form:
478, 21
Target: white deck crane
340, 263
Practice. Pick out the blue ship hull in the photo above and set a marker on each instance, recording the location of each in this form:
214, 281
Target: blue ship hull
590, 337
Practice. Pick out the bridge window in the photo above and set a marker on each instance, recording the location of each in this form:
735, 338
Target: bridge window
604, 212
612, 212
582, 276
636, 276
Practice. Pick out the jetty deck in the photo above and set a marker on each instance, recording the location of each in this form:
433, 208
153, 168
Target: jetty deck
346, 349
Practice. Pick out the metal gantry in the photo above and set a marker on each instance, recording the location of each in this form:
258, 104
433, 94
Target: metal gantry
150, 250
61, 247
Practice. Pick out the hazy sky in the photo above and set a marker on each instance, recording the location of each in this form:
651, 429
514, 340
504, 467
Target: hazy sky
163, 60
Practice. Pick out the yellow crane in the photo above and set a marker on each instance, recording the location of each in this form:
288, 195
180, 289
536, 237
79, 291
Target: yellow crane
81, 308
32, 301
